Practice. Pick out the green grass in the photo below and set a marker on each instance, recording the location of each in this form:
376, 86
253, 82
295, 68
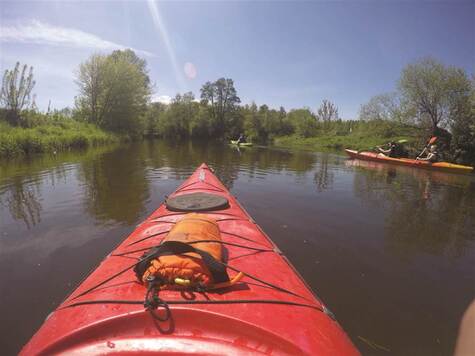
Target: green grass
330, 142
61, 136
360, 139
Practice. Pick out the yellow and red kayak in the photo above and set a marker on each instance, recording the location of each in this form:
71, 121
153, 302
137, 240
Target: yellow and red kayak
380, 157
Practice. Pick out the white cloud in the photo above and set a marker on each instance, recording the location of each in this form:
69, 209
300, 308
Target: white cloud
164, 99
37, 32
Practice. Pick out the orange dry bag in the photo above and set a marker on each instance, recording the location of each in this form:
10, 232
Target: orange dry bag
189, 256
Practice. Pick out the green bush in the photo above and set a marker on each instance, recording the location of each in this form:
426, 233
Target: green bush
53, 135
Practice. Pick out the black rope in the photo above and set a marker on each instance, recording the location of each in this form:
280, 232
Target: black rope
231, 218
152, 301
195, 242
190, 184
148, 237
196, 302
169, 222
262, 281
242, 237
106, 280
222, 263
211, 212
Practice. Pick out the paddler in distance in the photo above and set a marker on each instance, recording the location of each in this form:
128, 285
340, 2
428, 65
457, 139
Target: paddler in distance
394, 150
241, 139
431, 156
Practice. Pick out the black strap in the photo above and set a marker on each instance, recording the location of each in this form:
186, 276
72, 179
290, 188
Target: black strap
197, 302
217, 269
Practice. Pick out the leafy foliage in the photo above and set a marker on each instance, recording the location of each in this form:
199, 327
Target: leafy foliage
304, 121
437, 100
15, 94
388, 107
221, 96
114, 91
463, 128
327, 111
435, 92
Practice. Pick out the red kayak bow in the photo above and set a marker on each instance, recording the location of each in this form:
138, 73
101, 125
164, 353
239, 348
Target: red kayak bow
270, 310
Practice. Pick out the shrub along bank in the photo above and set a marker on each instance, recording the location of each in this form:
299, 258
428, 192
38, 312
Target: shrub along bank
360, 136
50, 137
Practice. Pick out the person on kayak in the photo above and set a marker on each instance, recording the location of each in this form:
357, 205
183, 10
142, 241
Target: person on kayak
241, 139
429, 144
431, 156
395, 150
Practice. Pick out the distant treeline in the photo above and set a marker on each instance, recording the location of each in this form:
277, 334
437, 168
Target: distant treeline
221, 117
115, 91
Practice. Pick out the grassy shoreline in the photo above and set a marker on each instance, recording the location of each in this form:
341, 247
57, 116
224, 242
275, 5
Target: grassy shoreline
70, 134
356, 140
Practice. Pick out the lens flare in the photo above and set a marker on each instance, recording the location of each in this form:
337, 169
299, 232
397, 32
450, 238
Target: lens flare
190, 70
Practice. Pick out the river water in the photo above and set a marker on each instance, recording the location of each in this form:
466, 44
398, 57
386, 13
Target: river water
391, 250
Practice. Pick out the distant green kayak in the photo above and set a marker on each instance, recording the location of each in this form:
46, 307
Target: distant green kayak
234, 142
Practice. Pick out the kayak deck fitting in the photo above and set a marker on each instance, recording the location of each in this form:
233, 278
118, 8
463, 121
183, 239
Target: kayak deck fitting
270, 310
380, 157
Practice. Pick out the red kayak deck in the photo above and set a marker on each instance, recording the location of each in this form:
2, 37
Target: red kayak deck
233, 320
380, 157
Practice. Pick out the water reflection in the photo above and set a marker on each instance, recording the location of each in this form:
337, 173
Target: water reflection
115, 184
427, 212
323, 176
352, 228
21, 186
22, 200
180, 159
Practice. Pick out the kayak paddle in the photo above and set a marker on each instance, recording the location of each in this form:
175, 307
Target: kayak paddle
372, 148
431, 142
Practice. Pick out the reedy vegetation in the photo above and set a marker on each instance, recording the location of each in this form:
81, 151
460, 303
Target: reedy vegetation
54, 133
115, 90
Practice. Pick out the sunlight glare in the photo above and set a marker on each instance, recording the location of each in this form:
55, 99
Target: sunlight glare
161, 28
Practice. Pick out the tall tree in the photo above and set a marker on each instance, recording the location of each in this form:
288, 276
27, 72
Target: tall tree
251, 123
90, 80
15, 95
463, 127
386, 107
114, 91
285, 126
434, 91
327, 111
223, 100
304, 121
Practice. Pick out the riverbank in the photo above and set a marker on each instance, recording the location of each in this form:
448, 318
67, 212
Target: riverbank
69, 134
356, 140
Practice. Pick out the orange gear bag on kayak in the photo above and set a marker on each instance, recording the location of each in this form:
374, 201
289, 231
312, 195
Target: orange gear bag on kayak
189, 256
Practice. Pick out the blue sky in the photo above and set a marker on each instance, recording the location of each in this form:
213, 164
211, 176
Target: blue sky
292, 54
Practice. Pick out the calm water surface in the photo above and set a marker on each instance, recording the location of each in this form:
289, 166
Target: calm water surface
391, 250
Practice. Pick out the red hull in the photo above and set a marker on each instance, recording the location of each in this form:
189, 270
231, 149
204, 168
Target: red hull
438, 166
242, 328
